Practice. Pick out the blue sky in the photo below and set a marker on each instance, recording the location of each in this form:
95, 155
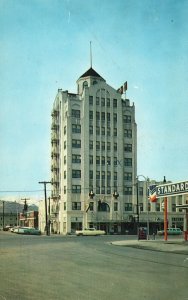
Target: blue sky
45, 46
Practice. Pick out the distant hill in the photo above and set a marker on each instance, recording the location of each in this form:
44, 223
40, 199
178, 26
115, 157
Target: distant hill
14, 207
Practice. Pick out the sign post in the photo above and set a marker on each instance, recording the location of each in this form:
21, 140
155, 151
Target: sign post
165, 219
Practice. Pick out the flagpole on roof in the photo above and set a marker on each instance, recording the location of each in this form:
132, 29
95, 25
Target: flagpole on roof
90, 54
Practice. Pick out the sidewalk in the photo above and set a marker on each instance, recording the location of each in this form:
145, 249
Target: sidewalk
172, 245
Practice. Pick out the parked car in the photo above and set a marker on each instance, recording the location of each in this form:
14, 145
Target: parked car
13, 228
170, 231
90, 231
7, 228
27, 230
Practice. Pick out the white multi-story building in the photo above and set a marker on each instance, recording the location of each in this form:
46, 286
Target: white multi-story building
93, 157
94, 164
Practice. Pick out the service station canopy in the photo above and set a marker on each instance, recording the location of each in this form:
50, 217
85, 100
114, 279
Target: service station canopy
172, 189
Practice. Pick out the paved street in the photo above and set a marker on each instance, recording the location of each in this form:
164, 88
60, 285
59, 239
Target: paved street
88, 268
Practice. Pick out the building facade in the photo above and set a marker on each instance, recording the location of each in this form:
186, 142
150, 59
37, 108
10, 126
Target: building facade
93, 157
29, 219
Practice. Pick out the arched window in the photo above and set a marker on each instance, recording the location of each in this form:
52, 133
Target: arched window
85, 84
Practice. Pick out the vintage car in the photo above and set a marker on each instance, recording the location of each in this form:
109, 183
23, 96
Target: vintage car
90, 231
170, 231
27, 230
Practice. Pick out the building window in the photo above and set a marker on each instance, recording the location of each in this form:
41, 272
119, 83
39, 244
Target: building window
115, 118
128, 176
103, 160
97, 115
91, 115
128, 207
102, 130
102, 101
90, 129
108, 131
76, 205
91, 159
76, 143
108, 190
97, 190
115, 161
108, 102
98, 175
90, 100
103, 116
108, 146
65, 144
76, 113
76, 128
65, 160
115, 131
65, 174
76, 158
97, 145
127, 190
115, 175
65, 129
141, 191
115, 206
102, 190
91, 145
65, 189
64, 205
97, 130
173, 207
85, 84
103, 175
114, 103
108, 161
127, 119
128, 162
128, 133
97, 160
97, 101
128, 147
108, 117
76, 189
115, 146
76, 173
90, 174
103, 146
141, 207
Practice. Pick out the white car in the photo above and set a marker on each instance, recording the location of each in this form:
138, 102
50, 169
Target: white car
90, 231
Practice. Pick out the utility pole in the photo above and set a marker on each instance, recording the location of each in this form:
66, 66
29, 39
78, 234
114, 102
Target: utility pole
46, 209
25, 208
137, 209
3, 214
165, 216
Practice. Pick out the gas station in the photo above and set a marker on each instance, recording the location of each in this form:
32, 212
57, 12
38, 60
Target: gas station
173, 189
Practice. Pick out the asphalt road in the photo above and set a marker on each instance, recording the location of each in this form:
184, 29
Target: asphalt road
87, 268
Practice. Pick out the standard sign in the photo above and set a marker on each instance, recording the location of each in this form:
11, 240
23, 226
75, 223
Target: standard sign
171, 189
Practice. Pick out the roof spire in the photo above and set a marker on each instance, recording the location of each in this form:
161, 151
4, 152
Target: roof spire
90, 55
